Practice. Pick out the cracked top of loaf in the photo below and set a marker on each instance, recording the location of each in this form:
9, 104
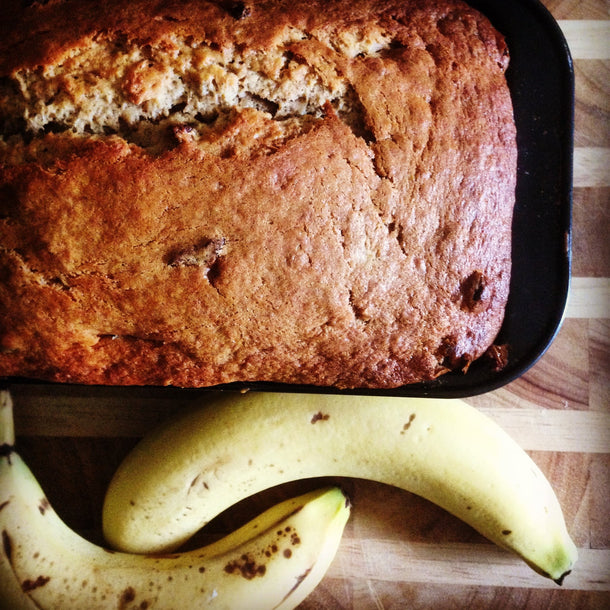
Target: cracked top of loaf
201, 192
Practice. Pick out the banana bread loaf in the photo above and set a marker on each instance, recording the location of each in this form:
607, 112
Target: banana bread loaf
208, 191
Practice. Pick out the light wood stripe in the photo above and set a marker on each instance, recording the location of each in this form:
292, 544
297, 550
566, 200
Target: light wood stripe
459, 564
535, 429
587, 38
554, 430
591, 166
589, 297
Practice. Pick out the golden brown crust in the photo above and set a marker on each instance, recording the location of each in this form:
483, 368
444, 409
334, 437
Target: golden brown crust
360, 240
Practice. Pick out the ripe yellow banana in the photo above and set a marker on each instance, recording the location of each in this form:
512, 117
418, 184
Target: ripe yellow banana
274, 561
235, 445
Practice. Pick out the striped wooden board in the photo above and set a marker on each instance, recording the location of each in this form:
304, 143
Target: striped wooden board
400, 551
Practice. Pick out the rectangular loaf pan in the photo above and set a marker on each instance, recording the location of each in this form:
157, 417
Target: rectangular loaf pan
541, 80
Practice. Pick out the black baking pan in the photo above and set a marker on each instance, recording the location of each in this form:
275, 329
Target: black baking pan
541, 80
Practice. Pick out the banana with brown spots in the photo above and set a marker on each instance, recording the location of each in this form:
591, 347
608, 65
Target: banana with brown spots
235, 445
274, 561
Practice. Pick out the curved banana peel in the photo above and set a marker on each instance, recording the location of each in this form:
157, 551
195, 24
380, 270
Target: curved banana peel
235, 445
274, 561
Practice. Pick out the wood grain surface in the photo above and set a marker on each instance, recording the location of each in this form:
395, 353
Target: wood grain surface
400, 551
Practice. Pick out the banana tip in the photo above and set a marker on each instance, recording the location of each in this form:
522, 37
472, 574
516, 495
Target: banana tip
559, 580
348, 501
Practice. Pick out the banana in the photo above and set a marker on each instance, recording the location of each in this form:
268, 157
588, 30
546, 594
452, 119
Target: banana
274, 561
235, 445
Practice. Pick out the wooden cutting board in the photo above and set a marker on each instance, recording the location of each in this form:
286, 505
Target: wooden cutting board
399, 550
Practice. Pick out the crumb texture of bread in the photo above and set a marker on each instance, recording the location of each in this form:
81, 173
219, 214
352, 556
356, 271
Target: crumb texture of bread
197, 193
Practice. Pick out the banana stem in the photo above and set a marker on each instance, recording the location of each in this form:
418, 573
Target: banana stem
7, 427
